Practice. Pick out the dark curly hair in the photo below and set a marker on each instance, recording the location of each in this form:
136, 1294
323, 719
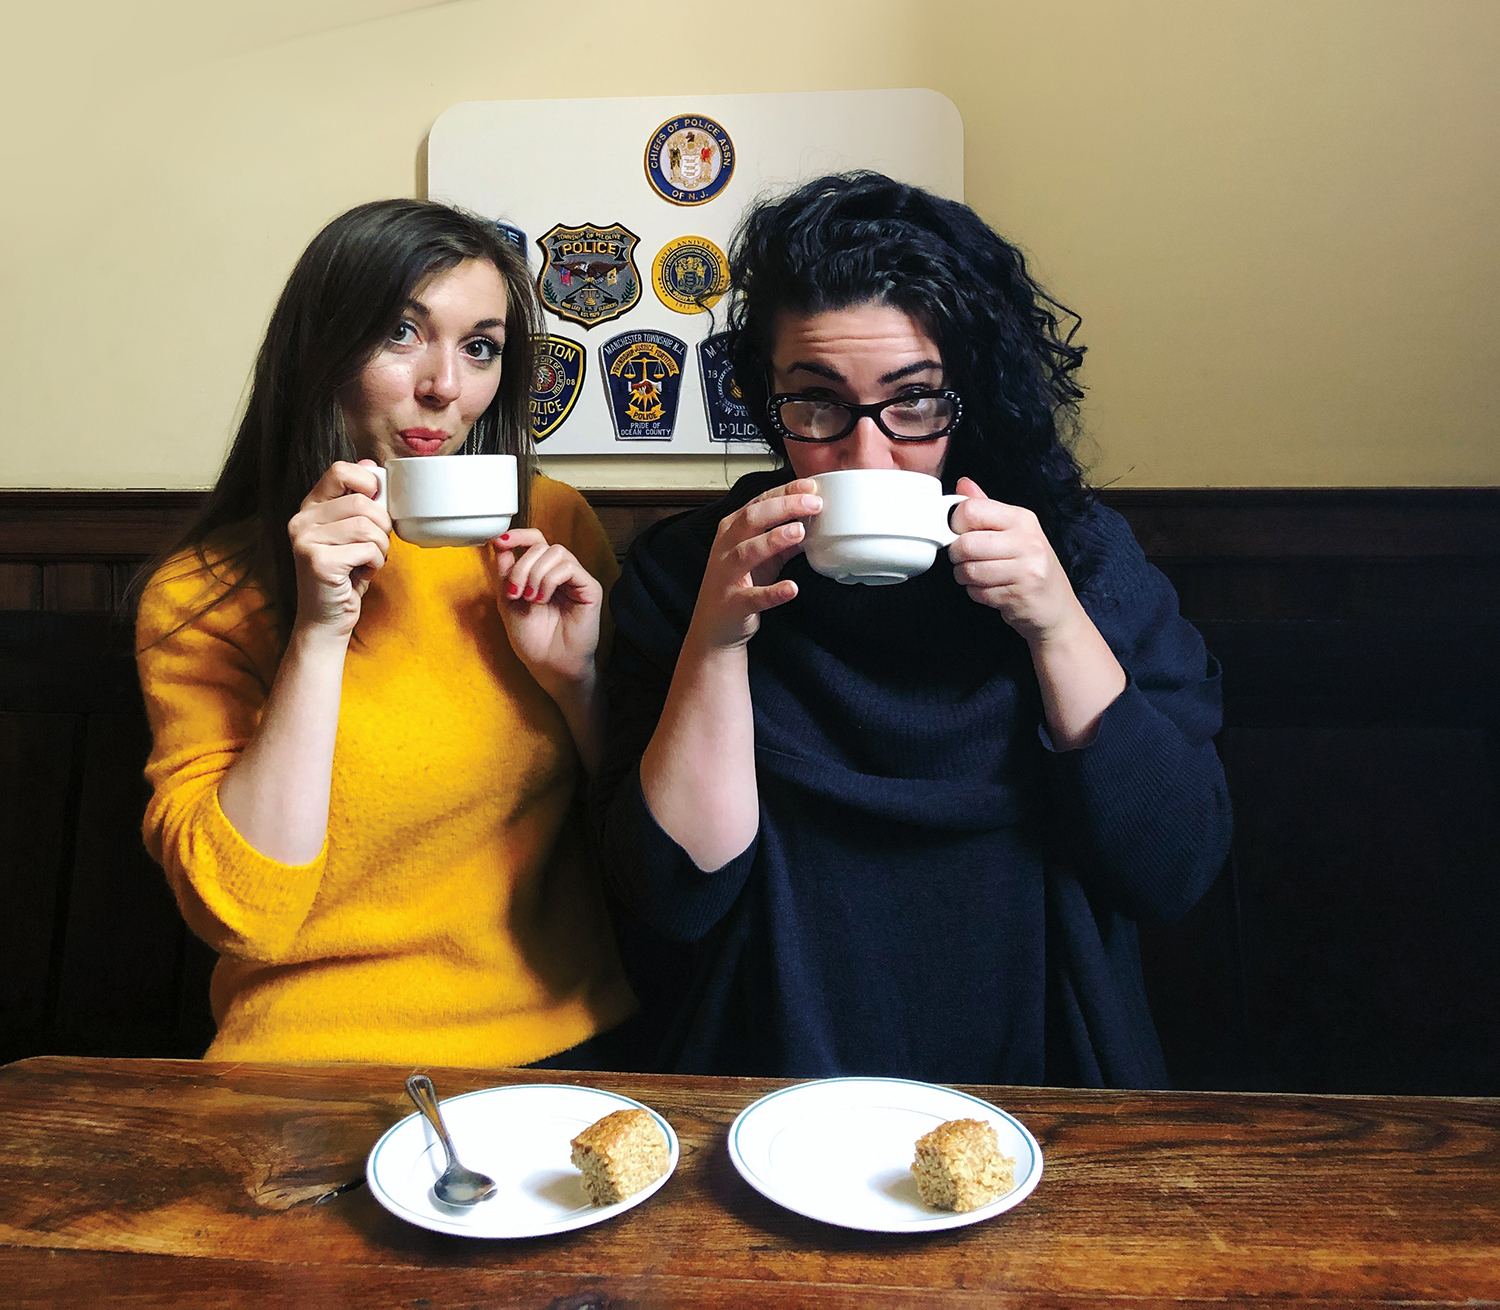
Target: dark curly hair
343, 299
852, 238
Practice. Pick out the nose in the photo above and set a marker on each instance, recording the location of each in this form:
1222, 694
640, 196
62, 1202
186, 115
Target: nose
867, 447
437, 381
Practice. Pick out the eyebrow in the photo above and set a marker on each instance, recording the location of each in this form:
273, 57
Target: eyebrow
833, 375
481, 326
921, 366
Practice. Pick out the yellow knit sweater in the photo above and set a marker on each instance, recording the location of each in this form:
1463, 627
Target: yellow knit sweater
453, 916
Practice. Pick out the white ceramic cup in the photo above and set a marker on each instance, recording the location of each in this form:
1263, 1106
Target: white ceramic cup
449, 500
878, 526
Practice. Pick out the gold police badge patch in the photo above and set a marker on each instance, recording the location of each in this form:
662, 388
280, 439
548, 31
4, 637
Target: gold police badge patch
690, 274
588, 273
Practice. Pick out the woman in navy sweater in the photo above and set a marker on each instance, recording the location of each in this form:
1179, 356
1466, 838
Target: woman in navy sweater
903, 830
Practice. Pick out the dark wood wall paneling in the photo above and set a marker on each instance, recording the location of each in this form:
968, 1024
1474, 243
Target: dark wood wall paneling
1349, 946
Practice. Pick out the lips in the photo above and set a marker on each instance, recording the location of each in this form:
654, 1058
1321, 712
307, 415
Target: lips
423, 441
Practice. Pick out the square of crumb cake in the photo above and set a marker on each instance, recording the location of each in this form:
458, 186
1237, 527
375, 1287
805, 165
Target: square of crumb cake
620, 1154
959, 1166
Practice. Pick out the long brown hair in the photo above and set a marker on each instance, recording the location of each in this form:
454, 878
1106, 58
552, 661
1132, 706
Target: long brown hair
343, 299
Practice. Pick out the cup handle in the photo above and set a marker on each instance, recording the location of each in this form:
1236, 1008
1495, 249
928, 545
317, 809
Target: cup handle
946, 535
380, 496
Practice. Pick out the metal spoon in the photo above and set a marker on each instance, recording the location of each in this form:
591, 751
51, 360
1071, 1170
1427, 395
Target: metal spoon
455, 1185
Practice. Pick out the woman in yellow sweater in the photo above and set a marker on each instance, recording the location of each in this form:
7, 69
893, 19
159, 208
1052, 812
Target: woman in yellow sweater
367, 754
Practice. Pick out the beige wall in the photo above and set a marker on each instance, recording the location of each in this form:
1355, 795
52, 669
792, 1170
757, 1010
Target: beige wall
1278, 218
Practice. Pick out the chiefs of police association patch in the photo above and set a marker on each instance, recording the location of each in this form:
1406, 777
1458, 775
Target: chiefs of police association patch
690, 274
588, 273
643, 376
689, 159
556, 380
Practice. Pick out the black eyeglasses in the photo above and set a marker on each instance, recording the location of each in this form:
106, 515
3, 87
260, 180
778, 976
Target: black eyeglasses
915, 416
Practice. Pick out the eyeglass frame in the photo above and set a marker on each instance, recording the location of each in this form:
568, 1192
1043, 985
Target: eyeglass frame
857, 412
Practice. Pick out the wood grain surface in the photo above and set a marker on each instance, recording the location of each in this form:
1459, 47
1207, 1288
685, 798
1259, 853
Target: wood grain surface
166, 1183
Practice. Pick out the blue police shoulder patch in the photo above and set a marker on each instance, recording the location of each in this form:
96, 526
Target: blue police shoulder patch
588, 273
514, 235
689, 159
643, 378
728, 415
556, 381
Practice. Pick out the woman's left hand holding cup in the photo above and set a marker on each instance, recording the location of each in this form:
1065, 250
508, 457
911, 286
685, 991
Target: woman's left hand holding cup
1003, 559
551, 606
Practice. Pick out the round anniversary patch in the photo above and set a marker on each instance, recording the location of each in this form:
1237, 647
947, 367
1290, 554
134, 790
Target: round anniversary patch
690, 274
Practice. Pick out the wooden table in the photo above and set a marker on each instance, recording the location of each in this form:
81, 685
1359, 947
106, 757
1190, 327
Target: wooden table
174, 1183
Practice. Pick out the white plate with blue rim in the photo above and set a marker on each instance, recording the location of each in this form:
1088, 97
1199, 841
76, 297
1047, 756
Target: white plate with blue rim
522, 1137
840, 1150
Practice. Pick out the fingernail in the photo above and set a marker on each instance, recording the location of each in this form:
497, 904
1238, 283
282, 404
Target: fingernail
530, 592
514, 590
815, 502
505, 536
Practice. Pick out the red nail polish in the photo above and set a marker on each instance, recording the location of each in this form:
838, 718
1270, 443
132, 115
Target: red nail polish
514, 590
505, 536
530, 592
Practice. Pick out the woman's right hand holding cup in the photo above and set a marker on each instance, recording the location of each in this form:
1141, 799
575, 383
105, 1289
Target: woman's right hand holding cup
707, 726
340, 537
741, 580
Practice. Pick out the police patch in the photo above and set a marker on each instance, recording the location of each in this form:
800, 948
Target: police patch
728, 415
643, 377
690, 274
588, 273
513, 234
556, 380
689, 159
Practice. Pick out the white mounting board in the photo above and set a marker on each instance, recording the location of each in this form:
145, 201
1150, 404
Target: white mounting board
537, 163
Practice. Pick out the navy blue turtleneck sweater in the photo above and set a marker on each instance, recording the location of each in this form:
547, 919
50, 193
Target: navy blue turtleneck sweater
934, 891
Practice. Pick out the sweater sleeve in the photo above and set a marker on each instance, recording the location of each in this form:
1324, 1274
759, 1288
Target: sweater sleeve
1143, 808
648, 871
206, 678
